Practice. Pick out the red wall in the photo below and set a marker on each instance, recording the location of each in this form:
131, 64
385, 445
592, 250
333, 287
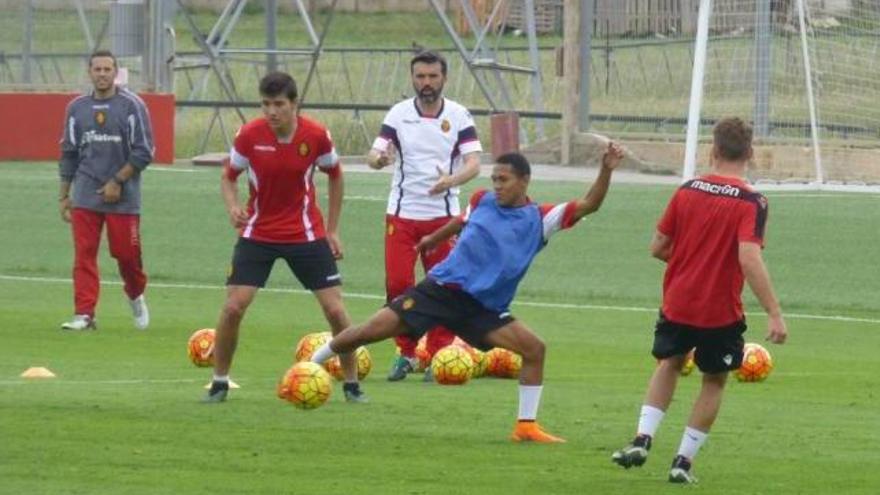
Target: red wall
31, 125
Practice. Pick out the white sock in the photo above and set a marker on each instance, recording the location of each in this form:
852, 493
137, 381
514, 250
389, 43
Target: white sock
529, 399
649, 420
221, 378
322, 354
691, 442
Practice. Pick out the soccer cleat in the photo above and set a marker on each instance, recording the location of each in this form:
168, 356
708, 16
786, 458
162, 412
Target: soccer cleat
217, 393
402, 365
139, 312
681, 471
80, 322
354, 394
429, 375
634, 454
530, 431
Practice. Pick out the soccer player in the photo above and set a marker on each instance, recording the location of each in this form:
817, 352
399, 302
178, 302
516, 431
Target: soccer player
437, 143
280, 153
106, 143
710, 237
471, 290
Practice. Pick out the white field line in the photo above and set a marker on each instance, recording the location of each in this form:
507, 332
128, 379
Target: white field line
255, 381
377, 297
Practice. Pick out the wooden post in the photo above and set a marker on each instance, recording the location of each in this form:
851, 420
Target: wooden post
571, 81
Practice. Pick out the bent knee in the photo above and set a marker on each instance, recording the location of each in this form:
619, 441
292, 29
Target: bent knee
535, 350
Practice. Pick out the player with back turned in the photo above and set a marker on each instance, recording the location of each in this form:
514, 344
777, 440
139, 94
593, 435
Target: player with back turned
710, 238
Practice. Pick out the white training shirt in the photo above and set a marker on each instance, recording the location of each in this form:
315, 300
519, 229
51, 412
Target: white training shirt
424, 144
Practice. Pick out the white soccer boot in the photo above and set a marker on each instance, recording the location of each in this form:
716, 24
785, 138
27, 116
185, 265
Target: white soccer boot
139, 312
80, 322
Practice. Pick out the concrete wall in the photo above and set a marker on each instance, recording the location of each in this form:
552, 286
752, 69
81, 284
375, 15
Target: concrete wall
771, 161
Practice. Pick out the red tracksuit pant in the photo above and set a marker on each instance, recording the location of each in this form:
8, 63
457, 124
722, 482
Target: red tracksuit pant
401, 237
123, 235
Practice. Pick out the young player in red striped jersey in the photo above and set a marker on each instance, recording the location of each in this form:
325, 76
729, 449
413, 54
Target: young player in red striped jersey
280, 153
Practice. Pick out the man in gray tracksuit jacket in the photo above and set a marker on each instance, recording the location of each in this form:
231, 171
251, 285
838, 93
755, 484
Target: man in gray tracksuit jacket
107, 142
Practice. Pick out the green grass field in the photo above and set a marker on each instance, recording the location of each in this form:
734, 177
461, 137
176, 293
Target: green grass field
123, 415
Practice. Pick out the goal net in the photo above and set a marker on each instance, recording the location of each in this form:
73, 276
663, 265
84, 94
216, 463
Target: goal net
806, 73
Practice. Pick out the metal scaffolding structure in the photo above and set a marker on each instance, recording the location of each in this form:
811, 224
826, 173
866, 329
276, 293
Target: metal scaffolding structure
485, 75
481, 60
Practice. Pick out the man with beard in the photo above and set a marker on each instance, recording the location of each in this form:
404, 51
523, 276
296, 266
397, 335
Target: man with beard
432, 143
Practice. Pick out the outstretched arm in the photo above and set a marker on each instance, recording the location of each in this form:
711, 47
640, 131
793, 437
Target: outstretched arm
759, 281
596, 195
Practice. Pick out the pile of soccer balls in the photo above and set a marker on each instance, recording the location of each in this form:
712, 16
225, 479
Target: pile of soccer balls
310, 343
307, 385
459, 362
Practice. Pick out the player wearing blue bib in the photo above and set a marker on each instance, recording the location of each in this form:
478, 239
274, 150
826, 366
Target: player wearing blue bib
471, 290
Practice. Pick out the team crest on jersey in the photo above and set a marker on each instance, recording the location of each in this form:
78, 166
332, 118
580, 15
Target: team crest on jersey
408, 303
445, 125
303, 149
100, 117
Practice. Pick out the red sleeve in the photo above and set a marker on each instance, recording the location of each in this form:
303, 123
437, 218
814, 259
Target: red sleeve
326, 157
753, 219
666, 225
323, 142
476, 197
568, 220
242, 143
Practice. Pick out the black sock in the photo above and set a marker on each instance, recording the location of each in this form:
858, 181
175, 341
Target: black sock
351, 387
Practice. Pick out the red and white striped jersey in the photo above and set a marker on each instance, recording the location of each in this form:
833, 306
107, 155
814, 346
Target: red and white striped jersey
282, 206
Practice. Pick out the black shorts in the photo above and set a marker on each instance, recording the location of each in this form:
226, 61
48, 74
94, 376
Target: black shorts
429, 304
717, 349
311, 262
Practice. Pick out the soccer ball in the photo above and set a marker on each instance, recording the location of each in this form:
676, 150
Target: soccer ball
306, 385
309, 344
200, 347
452, 365
364, 363
689, 364
479, 367
503, 363
756, 365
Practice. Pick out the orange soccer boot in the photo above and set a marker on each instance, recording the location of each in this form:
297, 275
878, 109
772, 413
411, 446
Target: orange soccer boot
530, 431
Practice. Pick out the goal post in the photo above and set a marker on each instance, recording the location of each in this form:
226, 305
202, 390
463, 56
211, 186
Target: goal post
806, 73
